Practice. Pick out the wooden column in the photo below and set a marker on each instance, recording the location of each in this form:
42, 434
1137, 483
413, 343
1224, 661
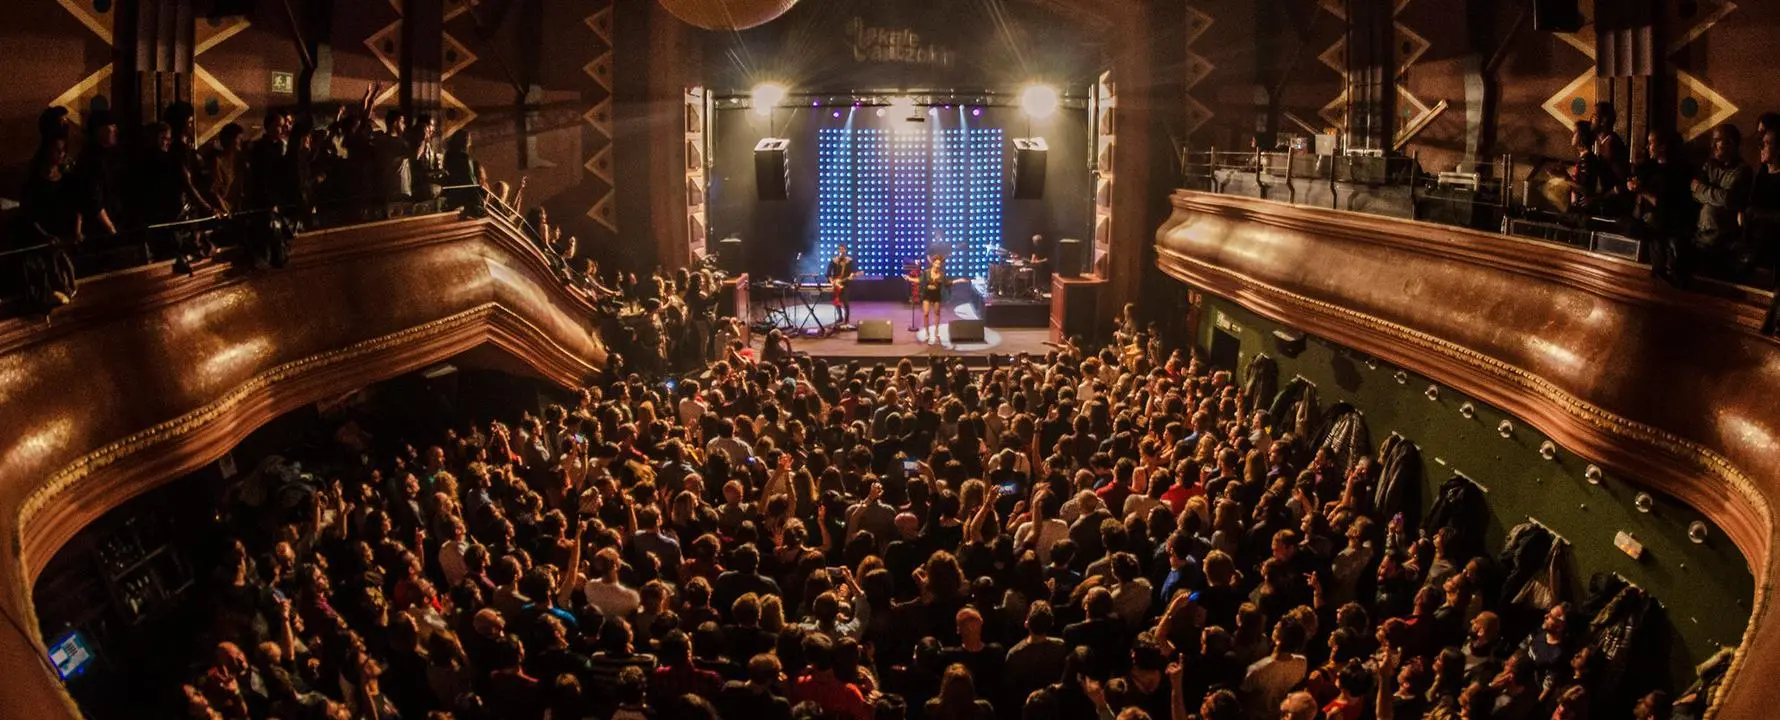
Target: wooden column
154, 57
423, 53
1133, 157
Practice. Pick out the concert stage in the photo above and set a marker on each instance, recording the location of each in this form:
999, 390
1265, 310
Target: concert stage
904, 343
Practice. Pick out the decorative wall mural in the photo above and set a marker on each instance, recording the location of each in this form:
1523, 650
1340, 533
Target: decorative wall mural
1698, 107
727, 14
386, 46
1576, 101
216, 104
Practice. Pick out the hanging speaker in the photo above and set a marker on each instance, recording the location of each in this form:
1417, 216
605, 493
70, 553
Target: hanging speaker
1556, 16
772, 173
1029, 168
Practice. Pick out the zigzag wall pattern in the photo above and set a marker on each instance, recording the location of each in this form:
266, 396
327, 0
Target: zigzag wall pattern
599, 117
216, 103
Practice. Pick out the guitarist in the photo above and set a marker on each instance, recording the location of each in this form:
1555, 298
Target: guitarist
841, 272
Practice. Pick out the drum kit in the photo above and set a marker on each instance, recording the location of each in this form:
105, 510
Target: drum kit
1013, 277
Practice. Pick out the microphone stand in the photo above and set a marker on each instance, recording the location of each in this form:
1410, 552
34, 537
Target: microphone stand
915, 294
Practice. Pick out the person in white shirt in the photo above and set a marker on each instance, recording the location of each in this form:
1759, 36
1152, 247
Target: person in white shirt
692, 407
1271, 678
605, 592
451, 554
1044, 529
728, 444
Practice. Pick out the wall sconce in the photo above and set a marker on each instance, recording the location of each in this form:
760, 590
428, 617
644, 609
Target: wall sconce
1592, 474
1402, 377
1548, 450
1433, 392
1468, 410
1643, 502
1371, 363
1505, 429
1696, 531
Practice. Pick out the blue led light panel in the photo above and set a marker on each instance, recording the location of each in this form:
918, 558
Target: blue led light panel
887, 192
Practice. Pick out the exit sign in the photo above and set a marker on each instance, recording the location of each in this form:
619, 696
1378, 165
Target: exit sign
284, 83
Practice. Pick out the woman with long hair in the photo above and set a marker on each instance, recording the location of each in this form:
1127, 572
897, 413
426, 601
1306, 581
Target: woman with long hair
958, 698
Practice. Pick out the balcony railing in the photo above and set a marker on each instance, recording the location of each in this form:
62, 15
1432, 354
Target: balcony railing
1476, 197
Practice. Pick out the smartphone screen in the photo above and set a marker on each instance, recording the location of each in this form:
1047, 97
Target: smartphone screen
910, 465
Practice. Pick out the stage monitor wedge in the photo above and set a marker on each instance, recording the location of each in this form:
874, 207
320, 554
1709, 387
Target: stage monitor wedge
1030, 159
967, 332
876, 331
772, 171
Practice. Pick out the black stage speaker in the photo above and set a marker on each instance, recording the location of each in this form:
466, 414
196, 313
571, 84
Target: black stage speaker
1069, 257
1289, 342
729, 255
1029, 168
876, 331
967, 331
772, 173
1556, 16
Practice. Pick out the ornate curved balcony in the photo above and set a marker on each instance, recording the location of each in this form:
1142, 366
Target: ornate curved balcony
1647, 381
148, 375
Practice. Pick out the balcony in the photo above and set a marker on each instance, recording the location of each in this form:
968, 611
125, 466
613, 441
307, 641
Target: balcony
149, 374
1651, 383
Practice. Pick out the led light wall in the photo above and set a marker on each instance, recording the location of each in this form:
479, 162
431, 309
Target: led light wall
891, 194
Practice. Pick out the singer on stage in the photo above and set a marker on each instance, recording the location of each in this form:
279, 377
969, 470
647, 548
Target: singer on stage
841, 272
932, 285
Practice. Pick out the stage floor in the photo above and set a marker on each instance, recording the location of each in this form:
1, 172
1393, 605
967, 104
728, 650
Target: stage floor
906, 343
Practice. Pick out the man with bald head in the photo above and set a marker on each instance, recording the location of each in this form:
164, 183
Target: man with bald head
1298, 706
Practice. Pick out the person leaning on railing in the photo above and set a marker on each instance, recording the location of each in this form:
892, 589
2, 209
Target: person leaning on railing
1662, 204
1720, 187
1761, 220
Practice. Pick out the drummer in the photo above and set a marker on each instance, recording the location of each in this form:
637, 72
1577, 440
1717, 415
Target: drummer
1041, 261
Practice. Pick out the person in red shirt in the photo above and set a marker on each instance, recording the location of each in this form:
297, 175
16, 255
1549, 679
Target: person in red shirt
819, 685
677, 675
1355, 685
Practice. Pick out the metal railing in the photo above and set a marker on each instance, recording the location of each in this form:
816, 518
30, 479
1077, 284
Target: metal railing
1475, 197
172, 243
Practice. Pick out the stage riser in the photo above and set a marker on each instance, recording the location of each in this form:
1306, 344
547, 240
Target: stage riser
1017, 314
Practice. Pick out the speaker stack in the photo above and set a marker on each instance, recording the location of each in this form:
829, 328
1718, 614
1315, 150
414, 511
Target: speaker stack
729, 255
1070, 254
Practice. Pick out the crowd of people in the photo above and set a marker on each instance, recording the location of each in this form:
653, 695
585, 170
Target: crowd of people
1123, 533
1719, 218
157, 193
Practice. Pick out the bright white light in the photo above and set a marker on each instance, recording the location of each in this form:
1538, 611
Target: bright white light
1040, 101
768, 96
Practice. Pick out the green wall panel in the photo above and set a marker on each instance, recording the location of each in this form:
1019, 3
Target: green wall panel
1705, 588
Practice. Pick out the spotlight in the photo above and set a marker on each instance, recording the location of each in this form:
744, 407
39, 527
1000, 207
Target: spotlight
1039, 101
837, 114
880, 112
768, 96
976, 112
934, 112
